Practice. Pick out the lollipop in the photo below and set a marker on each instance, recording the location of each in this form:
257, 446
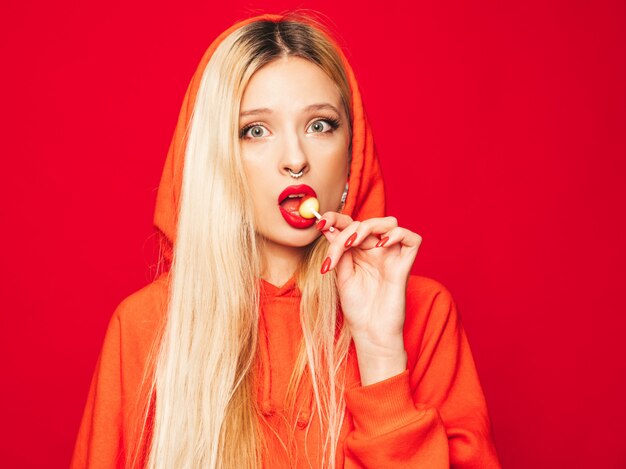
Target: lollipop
309, 208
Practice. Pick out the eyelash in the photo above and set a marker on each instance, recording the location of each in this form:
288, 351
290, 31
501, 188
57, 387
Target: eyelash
332, 121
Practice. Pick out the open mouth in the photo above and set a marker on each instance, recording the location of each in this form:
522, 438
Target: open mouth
290, 198
289, 202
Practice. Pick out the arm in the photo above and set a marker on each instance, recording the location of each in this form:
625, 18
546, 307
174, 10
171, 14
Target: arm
432, 414
98, 444
121, 398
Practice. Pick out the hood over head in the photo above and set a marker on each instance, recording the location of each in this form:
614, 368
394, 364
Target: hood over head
366, 195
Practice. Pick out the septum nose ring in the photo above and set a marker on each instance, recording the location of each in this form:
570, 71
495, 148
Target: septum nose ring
295, 175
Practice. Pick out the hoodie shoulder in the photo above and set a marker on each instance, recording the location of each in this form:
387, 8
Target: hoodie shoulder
120, 381
144, 305
140, 316
430, 308
426, 289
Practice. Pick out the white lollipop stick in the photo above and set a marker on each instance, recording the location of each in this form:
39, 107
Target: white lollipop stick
319, 217
309, 208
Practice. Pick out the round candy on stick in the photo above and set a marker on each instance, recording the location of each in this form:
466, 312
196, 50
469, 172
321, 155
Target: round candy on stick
309, 208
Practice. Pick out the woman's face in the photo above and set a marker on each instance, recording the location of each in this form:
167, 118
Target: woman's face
291, 118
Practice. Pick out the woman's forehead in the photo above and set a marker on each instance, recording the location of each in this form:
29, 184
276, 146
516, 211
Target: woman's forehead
290, 84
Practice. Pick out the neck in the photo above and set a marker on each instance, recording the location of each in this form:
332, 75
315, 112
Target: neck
279, 262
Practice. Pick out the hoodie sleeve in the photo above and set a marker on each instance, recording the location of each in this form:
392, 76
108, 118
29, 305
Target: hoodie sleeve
98, 444
111, 429
432, 415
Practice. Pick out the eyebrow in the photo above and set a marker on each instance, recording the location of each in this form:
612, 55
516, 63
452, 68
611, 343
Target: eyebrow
311, 107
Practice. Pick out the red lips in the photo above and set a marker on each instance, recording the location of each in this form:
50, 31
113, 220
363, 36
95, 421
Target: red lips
299, 189
291, 215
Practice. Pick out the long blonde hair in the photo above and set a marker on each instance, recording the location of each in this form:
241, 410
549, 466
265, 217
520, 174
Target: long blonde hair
205, 379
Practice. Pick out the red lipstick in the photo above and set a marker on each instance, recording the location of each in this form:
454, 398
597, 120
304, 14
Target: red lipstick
288, 206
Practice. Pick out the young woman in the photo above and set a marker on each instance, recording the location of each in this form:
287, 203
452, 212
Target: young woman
273, 340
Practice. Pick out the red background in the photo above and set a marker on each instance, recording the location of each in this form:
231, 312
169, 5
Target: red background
501, 129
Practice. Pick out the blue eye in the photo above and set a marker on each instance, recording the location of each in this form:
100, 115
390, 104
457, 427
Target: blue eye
255, 131
331, 123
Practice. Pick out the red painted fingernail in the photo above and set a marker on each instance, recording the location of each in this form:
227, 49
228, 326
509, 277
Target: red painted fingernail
350, 240
320, 224
382, 242
326, 265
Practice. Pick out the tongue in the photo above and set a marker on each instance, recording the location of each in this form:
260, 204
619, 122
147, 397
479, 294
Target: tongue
291, 205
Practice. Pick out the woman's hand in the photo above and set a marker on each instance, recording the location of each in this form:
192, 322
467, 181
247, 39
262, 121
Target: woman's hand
373, 260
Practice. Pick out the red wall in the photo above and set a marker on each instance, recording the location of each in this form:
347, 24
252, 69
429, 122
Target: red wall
501, 129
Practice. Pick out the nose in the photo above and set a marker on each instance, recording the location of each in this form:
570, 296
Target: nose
294, 161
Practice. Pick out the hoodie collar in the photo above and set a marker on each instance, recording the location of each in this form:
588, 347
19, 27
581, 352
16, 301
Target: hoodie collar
366, 194
289, 288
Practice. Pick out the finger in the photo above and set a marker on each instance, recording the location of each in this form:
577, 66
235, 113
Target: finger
337, 245
398, 235
368, 233
345, 267
323, 226
336, 219
364, 234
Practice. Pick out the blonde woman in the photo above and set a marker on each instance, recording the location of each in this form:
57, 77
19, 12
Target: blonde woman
269, 339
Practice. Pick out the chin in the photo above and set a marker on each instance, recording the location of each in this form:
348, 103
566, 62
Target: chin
298, 238
292, 237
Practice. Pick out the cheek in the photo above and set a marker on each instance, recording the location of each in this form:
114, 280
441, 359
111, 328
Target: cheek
259, 187
255, 174
336, 164
334, 174
254, 188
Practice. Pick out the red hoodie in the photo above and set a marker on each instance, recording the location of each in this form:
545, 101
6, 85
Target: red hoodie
432, 415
